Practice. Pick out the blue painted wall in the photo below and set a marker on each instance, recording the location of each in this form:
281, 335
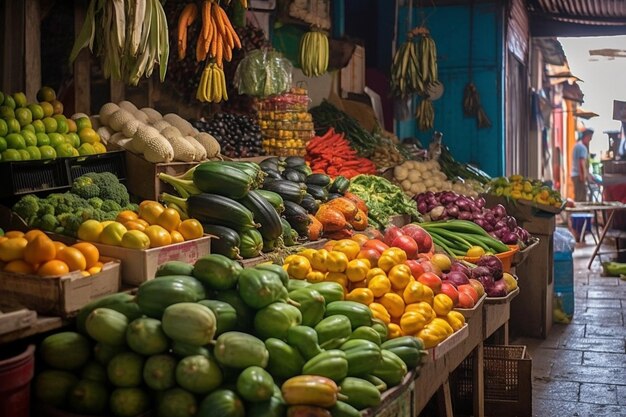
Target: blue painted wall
449, 27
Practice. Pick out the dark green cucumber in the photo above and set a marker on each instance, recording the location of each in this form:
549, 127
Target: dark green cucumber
219, 178
297, 217
227, 242
264, 214
288, 190
220, 210
274, 198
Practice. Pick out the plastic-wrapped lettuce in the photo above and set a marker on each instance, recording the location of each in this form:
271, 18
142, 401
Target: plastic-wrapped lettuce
263, 73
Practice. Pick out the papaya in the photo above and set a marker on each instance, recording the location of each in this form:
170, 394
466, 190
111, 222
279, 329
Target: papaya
260, 288
277, 269
275, 320
223, 403
198, 374
174, 268
255, 384
51, 386
125, 370
107, 326
190, 323
331, 291
217, 272
146, 337
88, 397
177, 402
245, 314
104, 353
182, 350
225, 314
240, 350
274, 407
154, 296
121, 302
311, 304
360, 393
284, 361
159, 372
94, 371
129, 402
65, 350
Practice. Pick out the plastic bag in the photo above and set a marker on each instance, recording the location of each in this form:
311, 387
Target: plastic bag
564, 240
263, 73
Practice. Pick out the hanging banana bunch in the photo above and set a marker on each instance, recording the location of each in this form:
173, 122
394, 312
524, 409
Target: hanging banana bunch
314, 53
425, 115
212, 87
130, 37
414, 65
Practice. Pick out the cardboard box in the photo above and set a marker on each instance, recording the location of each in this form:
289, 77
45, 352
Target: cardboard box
62, 296
140, 265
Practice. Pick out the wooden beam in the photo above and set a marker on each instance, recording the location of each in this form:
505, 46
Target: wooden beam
32, 49
12, 48
118, 91
82, 76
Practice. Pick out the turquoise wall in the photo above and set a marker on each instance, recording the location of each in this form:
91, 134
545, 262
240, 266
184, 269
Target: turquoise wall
450, 27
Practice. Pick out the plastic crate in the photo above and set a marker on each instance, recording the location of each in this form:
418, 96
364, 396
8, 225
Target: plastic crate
26, 177
507, 382
113, 162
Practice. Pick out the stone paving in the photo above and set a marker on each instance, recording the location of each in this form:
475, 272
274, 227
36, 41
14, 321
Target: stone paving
580, 369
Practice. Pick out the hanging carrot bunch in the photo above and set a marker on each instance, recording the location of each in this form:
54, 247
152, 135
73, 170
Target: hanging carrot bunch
216, 42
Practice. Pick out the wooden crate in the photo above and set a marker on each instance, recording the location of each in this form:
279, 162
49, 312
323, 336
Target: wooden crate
497, 311
470, 313
13, 320
397, 401
450, 343
62, 296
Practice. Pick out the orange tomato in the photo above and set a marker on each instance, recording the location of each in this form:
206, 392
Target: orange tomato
31, 234
158, 236
191, 229
20, 267
169, 219
12, 248
73, 258
142, 222
126, 215
53, 268
151, 212
14, 233
39, 249
135, 225
177, 237
89, 251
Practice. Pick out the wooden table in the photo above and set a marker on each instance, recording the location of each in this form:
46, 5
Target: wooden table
43, 324
599, 208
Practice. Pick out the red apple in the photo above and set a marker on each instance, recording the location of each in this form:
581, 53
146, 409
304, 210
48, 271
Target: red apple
371, 255
391, 233
431, 280
449, 290
407, 244
478, 286
465, 301
469, 290
420, 235
376, 244
416, 268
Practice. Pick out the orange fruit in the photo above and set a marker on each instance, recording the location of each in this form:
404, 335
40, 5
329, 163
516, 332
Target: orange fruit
89, 251
169, 219
146, 202
95, 269
177, 237
74, 259
53, 268
191, 229
59, 246
126, 215
31, 234
158, 236
20, 267
142, 222
135, 225
3, 238
85, 274
14, 233
12, 248
151, 212
40, 249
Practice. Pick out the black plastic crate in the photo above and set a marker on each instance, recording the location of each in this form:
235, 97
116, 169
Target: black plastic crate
114, 162
26, 177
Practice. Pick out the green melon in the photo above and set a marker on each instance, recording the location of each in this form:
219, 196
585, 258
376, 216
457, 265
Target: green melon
198, 374
190, 323
177, 403
159, 372
145, 336
65, 350
125, 370
107, 326
104, 353
88, 397
129, 402
51, 386
94, 371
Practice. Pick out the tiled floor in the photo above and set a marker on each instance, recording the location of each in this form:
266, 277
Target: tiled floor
580, 369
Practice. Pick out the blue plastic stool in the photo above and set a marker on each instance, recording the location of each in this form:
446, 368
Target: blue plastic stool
581, 223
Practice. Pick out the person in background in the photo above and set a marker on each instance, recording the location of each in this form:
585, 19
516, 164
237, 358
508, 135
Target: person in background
580, 165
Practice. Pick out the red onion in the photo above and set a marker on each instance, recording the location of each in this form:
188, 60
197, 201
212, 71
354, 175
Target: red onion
498, 289
460, 267
456, 278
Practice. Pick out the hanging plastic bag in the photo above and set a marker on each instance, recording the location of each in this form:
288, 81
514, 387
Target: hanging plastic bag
263, 73
564, 241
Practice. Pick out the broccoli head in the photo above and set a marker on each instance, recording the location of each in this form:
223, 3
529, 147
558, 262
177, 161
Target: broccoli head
48, 223
66, 202
45, 208
95, 202
85, 187
116, 192
102, 178
70, 223
111, 206
27, 207
132, 207
108, 215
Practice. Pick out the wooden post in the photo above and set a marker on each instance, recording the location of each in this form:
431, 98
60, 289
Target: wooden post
32, 48
479, 381
82, 78
117, 90
12, 48
444, 400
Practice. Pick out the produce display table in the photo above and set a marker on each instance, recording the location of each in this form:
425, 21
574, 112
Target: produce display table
396, 402
42, 324
497, 312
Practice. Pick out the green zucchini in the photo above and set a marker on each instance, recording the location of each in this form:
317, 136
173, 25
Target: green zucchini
288, 190
322, 180
227, 242
289, 235
318, 192
274, 199
297, 217
340, 185
220, 210
264, 214
250, 168
219, 178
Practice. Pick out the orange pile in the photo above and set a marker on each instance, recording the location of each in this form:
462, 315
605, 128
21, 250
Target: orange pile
34, 252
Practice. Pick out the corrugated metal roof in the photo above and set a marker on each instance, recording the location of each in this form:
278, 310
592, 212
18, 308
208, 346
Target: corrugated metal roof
590, 12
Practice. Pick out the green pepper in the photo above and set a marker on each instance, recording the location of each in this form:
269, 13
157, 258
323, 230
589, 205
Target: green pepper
332, 364
305, 340
359, 314
277, 269
311, 304
380, 327
363, 356
260, 288
342, 409
380, 385
285, 361
366, 333
360, 393
333, 331
408, 348
391, 369
275, 320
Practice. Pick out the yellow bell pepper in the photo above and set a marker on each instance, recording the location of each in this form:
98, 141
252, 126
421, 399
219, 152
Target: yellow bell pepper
319, 260
361, 295
380, 312
400, 276
360, 284
308, 253
339, 278
412, 322
380, 285
455, 319
336, 261
528, 187
316, 276
375, 271
347, 246
423, 308
415, 292
442, 304
298, 267
390, 258
357, 269
516, 178
431, 336
518, 187
442, 325
516, 194
393, 303
394, 331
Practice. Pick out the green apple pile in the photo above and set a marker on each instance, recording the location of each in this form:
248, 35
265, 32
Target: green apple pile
32, 131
